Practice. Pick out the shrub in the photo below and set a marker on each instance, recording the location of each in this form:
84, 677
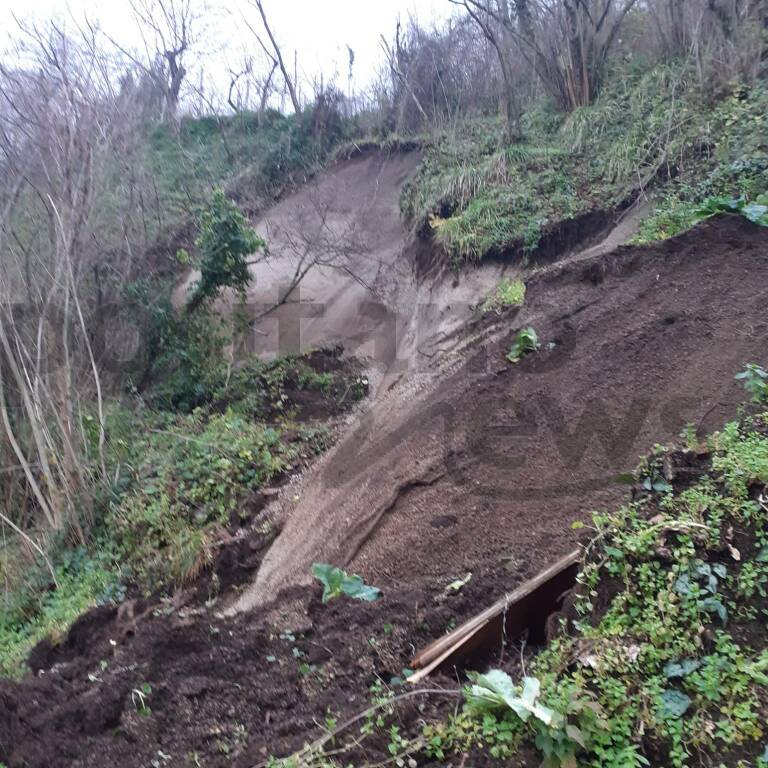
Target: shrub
187, 476
224, 243
509, 293
35, 608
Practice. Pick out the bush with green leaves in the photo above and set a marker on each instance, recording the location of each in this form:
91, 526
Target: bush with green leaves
731, 176
337, 582
669, 655
184, 476
508, 293
224, 244
755, 380
666, 660
526, 341
33, 607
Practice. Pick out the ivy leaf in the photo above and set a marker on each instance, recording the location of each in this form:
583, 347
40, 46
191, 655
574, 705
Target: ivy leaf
683, 585
756, 213
681, 668
660, 485
713, 605
762, 557
674, 704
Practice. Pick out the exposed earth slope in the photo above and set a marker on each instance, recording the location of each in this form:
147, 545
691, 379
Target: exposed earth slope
461, 462
474, 457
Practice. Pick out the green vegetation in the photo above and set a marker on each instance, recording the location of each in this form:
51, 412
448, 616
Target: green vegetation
337, 582
755, 380
731, 172
525, 341
667, 653
478, 196
509, 293
32, 610
224, 242
251, 156
184, 477
177, 479
140, 697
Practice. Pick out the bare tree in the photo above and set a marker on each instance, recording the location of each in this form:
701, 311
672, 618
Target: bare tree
60, 124
244, 79
566, 41
498, 26
169, 28
725, 39
275, 54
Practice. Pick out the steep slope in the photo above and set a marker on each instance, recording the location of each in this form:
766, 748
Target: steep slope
480, 459
476, 465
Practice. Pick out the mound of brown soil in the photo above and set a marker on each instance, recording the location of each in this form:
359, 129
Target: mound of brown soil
190, 689
495, 460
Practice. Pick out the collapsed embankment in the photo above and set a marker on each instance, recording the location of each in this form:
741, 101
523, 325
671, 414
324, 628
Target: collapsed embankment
474, 458
475, 466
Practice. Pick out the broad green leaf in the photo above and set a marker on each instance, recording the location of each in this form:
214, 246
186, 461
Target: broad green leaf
674, 704
330, 577
681, 668
337, 582
355, 587
495, 690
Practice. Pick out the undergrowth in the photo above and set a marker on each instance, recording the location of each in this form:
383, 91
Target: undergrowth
476, 196
180, 474
253, 157
666, 659
662, 659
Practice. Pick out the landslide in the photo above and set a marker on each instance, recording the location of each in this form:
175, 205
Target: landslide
481, 470
473, 459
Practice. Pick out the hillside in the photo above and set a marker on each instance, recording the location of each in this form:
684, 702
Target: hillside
423, 425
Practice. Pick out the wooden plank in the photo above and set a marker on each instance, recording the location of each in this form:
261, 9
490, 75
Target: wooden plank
508, 616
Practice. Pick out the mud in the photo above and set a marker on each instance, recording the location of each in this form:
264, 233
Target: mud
635, 345
222, 692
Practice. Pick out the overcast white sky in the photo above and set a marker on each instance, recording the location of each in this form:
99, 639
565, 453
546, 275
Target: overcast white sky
319, 30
